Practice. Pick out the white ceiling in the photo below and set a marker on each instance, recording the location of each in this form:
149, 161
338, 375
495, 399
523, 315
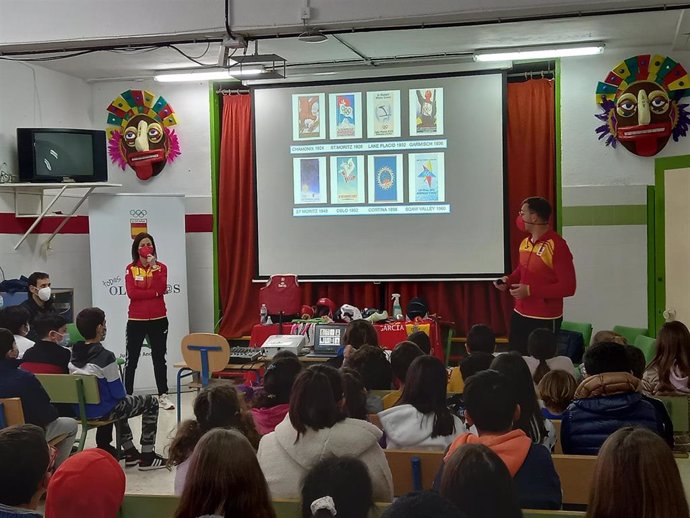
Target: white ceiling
649, 29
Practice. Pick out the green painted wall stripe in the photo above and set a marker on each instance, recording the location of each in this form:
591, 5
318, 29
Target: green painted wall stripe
559, 177
651, 261
604, 215
214, 109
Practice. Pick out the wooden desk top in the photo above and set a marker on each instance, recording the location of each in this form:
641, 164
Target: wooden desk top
257, 365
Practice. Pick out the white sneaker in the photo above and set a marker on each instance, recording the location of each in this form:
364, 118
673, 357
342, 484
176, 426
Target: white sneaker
165, 403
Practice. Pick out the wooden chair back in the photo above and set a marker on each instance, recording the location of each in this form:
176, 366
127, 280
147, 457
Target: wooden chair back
11, 412
403, 467
217, 359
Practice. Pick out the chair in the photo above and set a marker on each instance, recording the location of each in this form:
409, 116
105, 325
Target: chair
413, 470
679, 412
80, 391
204, 353
11, 412
647, 345
584, 328
576, 473
74, 334
630, 333
558, 447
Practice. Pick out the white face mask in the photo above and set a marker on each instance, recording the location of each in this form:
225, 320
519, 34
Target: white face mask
44, 294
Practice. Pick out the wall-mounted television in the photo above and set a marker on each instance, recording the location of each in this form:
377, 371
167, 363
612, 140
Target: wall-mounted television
62, 155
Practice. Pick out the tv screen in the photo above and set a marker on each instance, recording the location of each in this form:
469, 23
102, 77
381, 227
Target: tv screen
56, 155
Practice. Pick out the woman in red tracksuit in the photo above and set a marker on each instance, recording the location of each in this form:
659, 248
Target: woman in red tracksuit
146, 281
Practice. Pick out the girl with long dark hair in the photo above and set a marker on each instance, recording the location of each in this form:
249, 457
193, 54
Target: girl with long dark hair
669, 370
217, 406
421, 417
512, 365
316, 428
225, 479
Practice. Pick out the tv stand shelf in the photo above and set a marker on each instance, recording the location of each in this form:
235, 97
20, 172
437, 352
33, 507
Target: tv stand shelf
39, 189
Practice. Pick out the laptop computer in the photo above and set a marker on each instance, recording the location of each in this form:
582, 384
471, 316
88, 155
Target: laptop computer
328, 338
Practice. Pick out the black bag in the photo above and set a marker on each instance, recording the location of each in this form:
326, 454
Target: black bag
417, 308
572, 345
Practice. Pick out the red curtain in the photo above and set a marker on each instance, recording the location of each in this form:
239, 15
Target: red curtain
239, 297
531, 147
531, 162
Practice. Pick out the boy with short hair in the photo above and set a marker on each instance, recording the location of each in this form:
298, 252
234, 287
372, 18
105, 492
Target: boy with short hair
90, 357
480, 346
15, 382
402, 356
49, 355
26, 465
491, 406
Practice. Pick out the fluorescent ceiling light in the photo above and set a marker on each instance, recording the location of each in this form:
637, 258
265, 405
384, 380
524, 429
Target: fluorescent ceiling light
543, 52
209, 76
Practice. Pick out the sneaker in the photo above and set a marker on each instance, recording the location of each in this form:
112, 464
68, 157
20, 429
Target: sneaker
110, 449
151, 460
165, 403
132, 457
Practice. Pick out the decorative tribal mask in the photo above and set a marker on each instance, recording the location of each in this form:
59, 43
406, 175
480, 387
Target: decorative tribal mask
139, 133
640, 104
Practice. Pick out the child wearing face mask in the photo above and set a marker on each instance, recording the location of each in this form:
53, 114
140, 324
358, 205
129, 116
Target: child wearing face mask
146, 280
50, 354
16, 319
40, 299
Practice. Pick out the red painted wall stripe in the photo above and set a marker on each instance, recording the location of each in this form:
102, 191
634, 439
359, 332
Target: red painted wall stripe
10, 224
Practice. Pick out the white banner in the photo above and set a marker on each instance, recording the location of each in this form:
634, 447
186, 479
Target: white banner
113, 222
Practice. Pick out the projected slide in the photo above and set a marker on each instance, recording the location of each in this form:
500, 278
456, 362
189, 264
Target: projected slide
350, 174
381, 177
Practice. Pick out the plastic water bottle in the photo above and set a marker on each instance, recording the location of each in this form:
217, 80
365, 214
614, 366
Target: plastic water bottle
264, 314
397, 309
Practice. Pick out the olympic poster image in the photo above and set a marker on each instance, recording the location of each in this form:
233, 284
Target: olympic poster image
383, 114
385, 178
427, 181
308, 116
347, 179
310, 180
426, 112
345, 115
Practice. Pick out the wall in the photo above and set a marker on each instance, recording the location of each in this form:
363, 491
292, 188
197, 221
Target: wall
34, 96
177, 17
58, 100
604, 200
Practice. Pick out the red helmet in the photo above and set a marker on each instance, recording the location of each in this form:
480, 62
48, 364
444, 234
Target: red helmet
325, 307
307, 312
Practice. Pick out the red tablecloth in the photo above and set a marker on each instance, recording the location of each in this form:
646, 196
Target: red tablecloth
389, 334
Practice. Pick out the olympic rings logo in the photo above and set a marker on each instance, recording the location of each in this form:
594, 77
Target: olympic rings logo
137, 213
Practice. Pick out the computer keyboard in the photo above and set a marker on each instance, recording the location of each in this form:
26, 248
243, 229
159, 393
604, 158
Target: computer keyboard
244, 354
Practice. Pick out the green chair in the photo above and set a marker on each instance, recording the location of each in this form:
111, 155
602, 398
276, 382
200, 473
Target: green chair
584, 328
74, 334
81, 391
630, 333
647, 345
679, 412
148, 506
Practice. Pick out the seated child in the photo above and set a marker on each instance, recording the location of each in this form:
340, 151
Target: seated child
401, 358
16, 319
273, 401
36, 405
556, 390
542, 346
91, 358
421, 418
371, 363
491, 406
50, 354
217, 406
480, 346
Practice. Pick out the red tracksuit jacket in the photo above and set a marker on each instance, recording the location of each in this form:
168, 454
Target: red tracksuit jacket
145, 289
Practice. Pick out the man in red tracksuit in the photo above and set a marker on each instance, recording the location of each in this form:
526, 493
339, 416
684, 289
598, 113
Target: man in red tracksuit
544, 276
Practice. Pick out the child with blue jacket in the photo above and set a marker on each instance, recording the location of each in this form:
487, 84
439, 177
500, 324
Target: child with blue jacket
91, 358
